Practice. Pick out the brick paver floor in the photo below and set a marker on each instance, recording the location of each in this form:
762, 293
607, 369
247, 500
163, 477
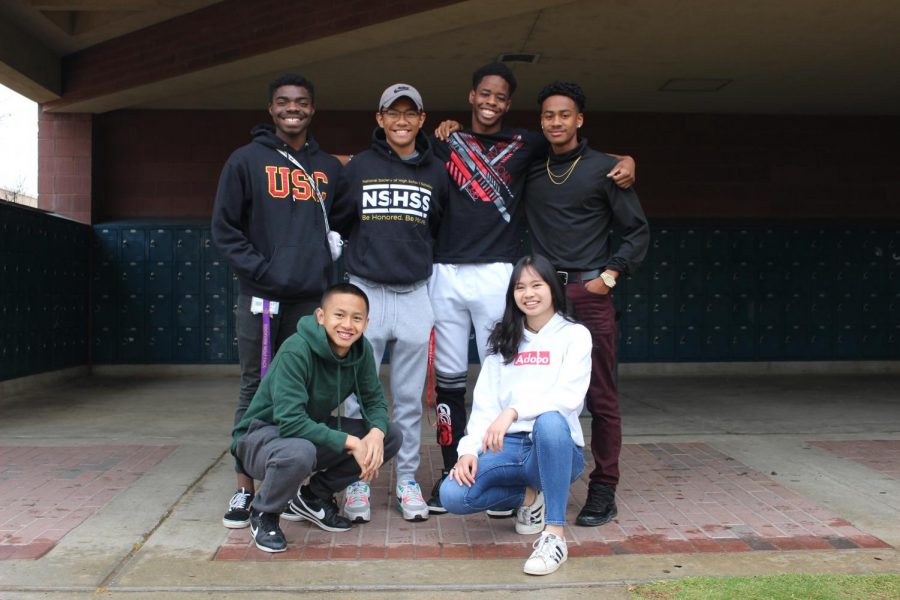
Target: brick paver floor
685, 497
879, 455
45, 492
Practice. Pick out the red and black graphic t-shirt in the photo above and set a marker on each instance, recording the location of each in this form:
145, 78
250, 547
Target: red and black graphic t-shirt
482, 221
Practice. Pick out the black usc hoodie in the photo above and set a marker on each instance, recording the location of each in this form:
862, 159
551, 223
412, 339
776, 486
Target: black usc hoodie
267, 222
389, 209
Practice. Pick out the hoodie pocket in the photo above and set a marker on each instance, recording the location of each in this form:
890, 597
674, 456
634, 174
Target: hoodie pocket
300, 270
397, 260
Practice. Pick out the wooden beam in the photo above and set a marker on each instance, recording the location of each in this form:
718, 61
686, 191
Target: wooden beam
91, 5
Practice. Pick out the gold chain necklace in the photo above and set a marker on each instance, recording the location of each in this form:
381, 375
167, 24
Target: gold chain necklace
562, 177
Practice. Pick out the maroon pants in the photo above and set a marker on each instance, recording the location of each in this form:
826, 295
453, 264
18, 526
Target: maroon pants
598, 314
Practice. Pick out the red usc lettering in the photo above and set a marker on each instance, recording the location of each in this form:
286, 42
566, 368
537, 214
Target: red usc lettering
302, 189
539, 357
277, 178
284, 181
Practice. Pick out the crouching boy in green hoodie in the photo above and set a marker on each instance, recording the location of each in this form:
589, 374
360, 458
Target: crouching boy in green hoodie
289, 433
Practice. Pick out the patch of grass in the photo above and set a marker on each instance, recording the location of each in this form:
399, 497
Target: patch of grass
773, 587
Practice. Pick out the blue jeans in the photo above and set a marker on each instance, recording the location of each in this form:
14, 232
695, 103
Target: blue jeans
549, 460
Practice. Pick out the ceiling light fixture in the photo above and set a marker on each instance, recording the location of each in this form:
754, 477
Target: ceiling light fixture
523, 57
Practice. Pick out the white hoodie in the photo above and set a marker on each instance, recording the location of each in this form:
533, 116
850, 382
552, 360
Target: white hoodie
551, 372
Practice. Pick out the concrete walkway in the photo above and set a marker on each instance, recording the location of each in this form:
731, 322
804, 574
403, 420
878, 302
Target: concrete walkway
115, 486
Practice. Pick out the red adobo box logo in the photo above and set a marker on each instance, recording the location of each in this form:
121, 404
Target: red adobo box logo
539, 357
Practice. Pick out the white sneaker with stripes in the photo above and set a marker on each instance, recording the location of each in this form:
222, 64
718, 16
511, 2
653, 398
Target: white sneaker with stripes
550, 551
530, 519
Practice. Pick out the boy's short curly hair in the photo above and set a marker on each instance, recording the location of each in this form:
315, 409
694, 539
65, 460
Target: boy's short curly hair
292, 79
496, 68
563, 88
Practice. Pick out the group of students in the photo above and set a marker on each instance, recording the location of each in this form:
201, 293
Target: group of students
435, 230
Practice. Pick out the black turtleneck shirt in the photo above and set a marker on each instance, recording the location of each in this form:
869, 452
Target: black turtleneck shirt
571, 222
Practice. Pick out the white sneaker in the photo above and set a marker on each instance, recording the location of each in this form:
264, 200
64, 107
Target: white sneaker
410, 501
530, 519
356, 502
550, 551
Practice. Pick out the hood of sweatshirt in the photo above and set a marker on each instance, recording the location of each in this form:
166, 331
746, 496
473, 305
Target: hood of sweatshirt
556, 323
381, 146
314, 334
264, 134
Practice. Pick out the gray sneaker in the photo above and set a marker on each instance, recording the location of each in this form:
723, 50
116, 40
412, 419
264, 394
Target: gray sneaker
356, 502
410, 501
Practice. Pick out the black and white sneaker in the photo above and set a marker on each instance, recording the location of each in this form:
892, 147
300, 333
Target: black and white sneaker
504, 513
266, 532
324, 513
550, 551
434, 503
238, 515
530, 518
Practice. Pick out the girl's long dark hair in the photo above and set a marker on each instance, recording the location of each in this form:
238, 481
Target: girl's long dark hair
508, 333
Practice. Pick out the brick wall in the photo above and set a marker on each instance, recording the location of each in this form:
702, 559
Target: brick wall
167, 163
64, 164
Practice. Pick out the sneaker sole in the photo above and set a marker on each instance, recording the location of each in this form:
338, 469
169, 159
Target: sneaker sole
235, 524
270, 550
545, 571
529, 529
437, 510
263, 548
598, 523
501, 514
363, 517
416, 516
300, 515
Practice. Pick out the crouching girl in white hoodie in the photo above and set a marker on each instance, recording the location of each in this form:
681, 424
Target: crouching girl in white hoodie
523, 446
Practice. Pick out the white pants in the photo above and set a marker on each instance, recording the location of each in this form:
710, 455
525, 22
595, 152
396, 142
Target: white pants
464, 296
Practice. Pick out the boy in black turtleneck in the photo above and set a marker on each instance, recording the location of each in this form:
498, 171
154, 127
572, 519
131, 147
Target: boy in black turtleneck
268, 223
388, 205
571, 206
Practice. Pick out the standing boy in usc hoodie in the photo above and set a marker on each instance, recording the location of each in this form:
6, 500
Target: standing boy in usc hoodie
268, 223
388, 204
289, 433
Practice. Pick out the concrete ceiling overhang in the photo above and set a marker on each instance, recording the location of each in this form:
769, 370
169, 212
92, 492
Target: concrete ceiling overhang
711, 56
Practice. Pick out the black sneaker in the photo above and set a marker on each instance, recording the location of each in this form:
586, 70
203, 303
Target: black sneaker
434, 503
600, 506
323, 513
238, 515
501, 513
266, 533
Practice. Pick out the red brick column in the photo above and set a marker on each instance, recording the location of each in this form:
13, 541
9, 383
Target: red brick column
64, 164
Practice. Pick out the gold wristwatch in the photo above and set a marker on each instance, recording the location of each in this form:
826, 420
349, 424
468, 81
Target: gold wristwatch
608, 279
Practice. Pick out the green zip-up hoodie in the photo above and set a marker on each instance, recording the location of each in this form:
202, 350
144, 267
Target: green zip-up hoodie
306, 382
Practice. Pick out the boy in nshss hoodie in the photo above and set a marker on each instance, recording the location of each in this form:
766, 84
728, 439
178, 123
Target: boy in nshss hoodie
288, 432
269, 225
388, 204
